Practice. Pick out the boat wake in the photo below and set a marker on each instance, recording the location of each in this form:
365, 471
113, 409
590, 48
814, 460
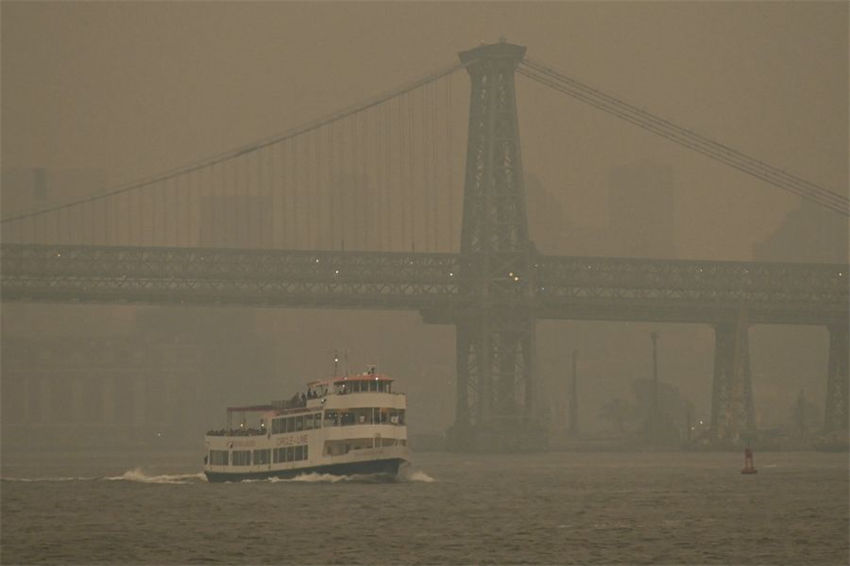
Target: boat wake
403, 476
313, 478
134, 475
51, 479
137, 475
406, 474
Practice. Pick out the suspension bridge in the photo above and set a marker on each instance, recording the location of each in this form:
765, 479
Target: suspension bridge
361, 209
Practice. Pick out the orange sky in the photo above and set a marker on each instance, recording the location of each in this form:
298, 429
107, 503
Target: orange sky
135, 88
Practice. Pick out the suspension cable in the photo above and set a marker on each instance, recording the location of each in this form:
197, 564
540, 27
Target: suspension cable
250, 148
558, 81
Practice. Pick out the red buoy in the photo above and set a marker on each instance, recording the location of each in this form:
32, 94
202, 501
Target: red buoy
748, 462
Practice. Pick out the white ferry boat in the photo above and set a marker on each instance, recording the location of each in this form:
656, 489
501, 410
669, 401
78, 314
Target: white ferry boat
343, 425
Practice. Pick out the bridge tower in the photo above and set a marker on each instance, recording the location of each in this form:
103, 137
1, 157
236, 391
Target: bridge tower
732, 409
495, 346
836, 417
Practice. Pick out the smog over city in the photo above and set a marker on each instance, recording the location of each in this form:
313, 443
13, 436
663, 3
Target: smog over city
415, 282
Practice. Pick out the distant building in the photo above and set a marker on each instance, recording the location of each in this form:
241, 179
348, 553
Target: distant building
809, 233
69, 392
548, 224
27, 189
641, 210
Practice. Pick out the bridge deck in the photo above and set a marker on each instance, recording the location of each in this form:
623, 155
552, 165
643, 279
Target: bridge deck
587, 288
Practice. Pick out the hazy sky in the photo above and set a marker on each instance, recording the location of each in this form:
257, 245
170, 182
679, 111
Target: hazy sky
135, 88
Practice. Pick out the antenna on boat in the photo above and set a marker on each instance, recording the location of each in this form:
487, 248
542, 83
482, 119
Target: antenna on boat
346, 363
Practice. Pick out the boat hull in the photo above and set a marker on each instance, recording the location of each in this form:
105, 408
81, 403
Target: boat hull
388, 467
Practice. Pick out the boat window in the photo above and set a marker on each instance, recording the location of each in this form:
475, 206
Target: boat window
219, 457
290, 425
261, 456
339, 447
290, 454
361, 416
299, 423
241, 457
278, 426
317, 420
397, 416
308, 422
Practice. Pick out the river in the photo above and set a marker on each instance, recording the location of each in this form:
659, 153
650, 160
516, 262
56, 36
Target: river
552, 508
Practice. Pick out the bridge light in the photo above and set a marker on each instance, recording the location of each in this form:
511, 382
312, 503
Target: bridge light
317, 260
516, 277
451, 274
336, 272
841, 274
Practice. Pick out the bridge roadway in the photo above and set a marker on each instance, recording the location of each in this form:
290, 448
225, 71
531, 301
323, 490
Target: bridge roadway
577, 288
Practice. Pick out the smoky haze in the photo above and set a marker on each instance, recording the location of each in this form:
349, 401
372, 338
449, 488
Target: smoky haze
95, 95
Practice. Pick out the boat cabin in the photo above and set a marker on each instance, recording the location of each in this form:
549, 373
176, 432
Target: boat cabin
369, 382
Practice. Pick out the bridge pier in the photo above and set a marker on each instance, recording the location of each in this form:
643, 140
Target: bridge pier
836, 411
495, 385
732, 412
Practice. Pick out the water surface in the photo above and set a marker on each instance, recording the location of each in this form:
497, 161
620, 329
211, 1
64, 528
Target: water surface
631, 508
